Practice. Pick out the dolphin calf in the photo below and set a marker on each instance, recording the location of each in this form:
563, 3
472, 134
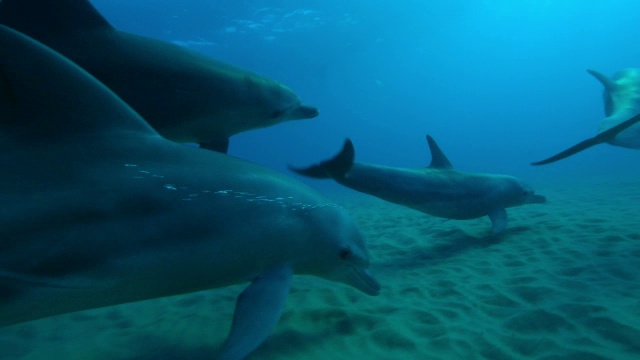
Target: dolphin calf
185, 96
437, 190
621, 125
98, 209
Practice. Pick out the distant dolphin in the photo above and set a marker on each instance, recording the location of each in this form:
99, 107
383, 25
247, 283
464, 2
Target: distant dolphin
437, 190
98, 209
622, 108
185, 96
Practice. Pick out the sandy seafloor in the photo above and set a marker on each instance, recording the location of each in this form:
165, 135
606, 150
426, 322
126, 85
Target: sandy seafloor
562, 283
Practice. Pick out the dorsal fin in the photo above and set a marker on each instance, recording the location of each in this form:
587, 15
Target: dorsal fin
608, 84
43, 18
45, 97
438, 158
609, 87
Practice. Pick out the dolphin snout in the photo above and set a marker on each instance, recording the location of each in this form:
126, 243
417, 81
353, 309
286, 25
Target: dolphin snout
368, 285
537, 199
357, 277
304, 112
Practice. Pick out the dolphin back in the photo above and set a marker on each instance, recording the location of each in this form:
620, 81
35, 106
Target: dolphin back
45, 18
29, 104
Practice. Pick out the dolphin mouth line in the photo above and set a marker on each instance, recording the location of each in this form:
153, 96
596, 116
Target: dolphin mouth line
538, 199
304, 111
373, 286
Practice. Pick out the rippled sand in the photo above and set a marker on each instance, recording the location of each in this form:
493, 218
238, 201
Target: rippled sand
562, 283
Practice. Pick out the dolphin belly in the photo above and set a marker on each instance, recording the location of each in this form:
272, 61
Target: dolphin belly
455, 209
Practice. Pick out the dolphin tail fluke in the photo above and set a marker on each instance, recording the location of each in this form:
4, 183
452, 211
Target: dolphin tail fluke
336, 167
602, 137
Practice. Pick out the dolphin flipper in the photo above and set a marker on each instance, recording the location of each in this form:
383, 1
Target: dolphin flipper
498, 220
258, 309
602, 137
570, 151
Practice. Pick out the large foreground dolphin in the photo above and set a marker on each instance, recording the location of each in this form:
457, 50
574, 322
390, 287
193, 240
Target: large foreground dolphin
437, 190
98, 209
185, 96
621, 126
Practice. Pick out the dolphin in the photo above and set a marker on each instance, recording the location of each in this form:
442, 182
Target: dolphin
185, 96
437, 190
621, 125
98, 209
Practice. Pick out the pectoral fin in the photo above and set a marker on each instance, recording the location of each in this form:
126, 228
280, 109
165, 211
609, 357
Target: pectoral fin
498, 220
258, 309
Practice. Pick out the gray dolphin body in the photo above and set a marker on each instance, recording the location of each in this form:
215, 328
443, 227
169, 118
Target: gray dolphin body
98, 209
621, 126
437, 190
185, 96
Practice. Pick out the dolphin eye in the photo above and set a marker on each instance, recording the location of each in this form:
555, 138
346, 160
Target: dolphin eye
345, 253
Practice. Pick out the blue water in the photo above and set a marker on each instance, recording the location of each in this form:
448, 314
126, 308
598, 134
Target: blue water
498, 83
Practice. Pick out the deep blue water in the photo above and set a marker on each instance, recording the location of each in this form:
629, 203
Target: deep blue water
498, 83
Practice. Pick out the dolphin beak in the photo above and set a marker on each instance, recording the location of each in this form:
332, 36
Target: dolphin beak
304, 112
357, 277
362, 280
537, 199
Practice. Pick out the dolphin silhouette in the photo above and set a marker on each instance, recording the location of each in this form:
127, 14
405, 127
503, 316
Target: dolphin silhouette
437, 190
